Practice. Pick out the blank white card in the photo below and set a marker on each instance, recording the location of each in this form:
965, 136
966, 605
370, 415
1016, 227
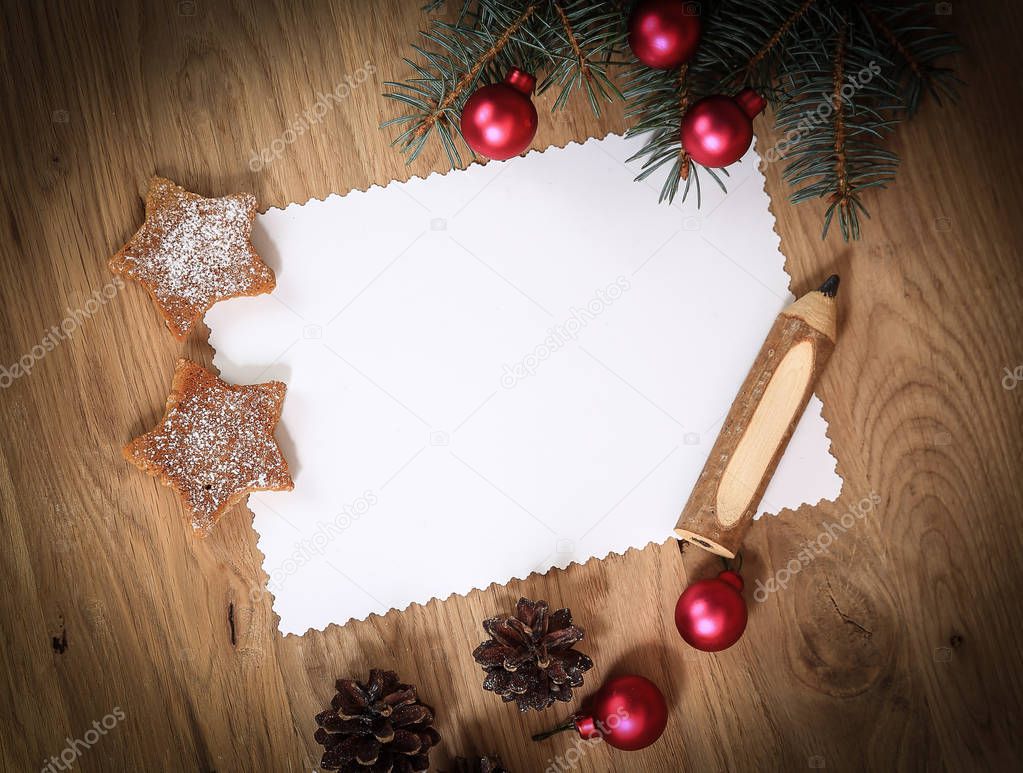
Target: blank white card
501, 370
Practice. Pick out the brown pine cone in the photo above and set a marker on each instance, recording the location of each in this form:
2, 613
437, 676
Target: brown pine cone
376, 727
529, 658
478, 765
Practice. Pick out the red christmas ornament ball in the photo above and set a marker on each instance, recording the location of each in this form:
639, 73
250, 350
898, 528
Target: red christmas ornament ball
711, 614
628, 712
499, 121
664, 33
717, 130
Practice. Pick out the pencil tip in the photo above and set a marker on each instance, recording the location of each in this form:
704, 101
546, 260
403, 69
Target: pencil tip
830, 286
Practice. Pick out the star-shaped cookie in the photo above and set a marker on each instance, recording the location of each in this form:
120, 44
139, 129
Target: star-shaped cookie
192, 252
215, 443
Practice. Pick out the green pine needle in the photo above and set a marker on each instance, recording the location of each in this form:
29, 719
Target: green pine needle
893, 57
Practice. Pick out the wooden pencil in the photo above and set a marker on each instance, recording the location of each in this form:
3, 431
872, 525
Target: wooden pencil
760, 423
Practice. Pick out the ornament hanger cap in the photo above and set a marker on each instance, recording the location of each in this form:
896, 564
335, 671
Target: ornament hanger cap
587, 727
520, 80
751, 102
732, 578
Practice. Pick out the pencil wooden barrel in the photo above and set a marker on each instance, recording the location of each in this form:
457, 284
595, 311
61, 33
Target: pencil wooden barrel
760, 423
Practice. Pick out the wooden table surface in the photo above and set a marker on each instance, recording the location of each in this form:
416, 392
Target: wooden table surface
897, 649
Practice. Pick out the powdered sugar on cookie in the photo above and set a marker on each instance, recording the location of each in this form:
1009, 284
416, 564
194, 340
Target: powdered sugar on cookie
192, 252
215, 443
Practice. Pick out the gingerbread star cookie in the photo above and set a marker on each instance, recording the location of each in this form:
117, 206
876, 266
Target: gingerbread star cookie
192, 252
215, 443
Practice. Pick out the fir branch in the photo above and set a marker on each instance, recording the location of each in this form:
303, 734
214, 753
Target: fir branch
841, 196
895, 43
470, 76
566, 25
840, 74
775, 39
918, 46
835, 152
684, 162
582, 38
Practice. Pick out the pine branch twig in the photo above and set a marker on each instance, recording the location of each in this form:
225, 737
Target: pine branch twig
841, 75
485, 58
776, 38
841, 194
584, 65
683, 106
886, 32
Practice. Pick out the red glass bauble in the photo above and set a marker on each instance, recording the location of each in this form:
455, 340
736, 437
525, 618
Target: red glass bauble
628, 712
711, 614
717, 130
499, 120
664, 33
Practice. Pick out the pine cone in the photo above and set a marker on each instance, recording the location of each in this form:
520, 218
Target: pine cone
478, 765
529, 658
376, 727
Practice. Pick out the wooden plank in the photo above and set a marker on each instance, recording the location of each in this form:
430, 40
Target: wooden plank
897, 647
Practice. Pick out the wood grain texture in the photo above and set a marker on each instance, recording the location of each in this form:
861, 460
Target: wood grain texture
896, 649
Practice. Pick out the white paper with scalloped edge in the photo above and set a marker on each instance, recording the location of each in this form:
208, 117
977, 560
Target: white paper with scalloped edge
501, 370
